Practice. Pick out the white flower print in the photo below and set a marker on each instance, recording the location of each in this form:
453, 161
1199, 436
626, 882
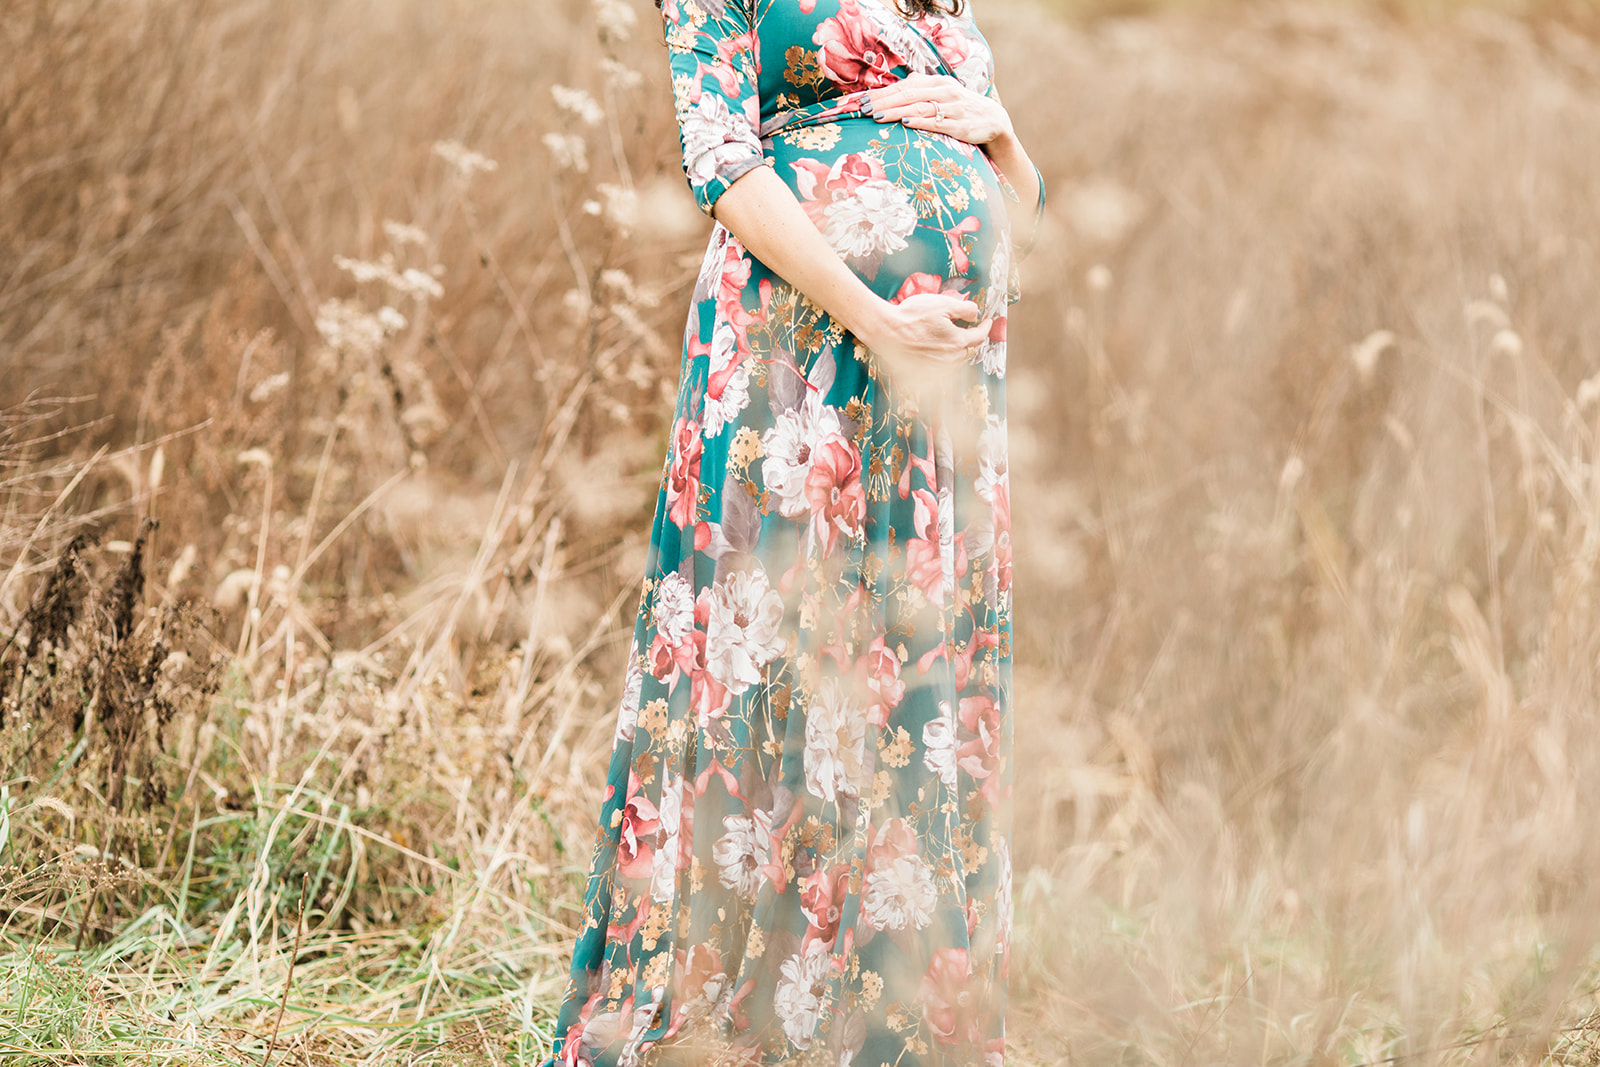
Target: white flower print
742, 631
743, 851
900, 895
939, 740
628, 710
993, 465
874, 220
1002, 848
798, 1001
947, 540
664, 867
714, 136
992, 357
674, 608
835, 754
734, 396
992, 352
712, 1001
788, 446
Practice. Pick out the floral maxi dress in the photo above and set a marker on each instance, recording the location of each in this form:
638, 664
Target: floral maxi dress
803, 850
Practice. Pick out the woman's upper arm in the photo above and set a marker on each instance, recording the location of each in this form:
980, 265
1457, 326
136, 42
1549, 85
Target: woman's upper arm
714, 92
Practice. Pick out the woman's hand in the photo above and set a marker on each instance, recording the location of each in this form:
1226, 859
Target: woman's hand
914, 340
919, 342
925, 329
941, 104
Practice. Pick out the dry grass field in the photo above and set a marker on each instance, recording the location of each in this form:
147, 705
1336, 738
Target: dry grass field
337, 347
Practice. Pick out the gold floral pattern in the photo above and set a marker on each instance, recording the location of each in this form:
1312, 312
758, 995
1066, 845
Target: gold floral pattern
802, 853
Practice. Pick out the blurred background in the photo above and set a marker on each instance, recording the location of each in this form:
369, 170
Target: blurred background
337, 348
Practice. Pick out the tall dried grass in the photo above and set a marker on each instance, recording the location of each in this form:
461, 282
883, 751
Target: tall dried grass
1305, 396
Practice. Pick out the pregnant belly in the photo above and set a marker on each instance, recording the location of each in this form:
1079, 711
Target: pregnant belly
908, 211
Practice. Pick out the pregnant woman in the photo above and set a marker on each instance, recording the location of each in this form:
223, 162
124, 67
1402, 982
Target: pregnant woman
803, 849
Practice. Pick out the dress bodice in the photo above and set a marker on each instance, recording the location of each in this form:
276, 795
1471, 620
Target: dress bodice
744, 69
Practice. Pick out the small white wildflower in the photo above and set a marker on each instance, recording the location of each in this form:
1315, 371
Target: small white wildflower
420, 283
618, 282
258, 457
620, 75
578, 102
570, 151
424, 422
630, 321
234, 590
621, 206
268, 386
403, 233
465, 161
591, 207
577, 303
1365, 355
615, 19
1507, 343
363, 270
1588, 392
348, 327
390, 319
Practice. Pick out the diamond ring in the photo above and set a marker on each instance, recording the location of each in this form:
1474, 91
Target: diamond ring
938, 111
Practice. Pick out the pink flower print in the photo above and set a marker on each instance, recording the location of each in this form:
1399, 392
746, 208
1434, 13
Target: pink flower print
708, 698
851, 54
822, 899
979, 754
949, 1003
953, 45
881, 669
834, 491
640, 821
960, 261
922, 282
683, 475
937, 554
895, 838
821, 184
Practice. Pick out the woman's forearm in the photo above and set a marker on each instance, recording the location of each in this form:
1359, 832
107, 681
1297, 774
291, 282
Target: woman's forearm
1012, 160
907, 338
763, 213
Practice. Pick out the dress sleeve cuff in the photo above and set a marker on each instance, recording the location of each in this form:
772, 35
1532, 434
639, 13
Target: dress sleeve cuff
708, 193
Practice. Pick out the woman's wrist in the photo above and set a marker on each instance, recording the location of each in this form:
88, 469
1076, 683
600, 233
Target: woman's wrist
1004, 148
869, 320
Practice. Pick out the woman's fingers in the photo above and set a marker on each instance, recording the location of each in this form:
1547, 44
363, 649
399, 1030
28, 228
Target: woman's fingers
964, 309
916, 87
974, 336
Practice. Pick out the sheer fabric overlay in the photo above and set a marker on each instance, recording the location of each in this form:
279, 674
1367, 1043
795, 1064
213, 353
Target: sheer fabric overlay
802, 853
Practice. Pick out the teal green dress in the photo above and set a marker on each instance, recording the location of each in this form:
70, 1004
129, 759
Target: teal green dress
803, 850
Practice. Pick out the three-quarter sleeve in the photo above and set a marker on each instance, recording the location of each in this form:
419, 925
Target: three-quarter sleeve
714, 92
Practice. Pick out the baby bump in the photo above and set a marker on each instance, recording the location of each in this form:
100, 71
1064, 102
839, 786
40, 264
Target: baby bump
908, 211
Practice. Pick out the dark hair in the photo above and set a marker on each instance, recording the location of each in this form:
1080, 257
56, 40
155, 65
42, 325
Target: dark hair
911, 9
917, 8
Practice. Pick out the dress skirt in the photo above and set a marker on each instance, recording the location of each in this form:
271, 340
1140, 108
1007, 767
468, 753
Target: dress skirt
802, 855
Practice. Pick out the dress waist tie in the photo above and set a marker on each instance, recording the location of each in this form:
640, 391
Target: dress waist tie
848, 106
